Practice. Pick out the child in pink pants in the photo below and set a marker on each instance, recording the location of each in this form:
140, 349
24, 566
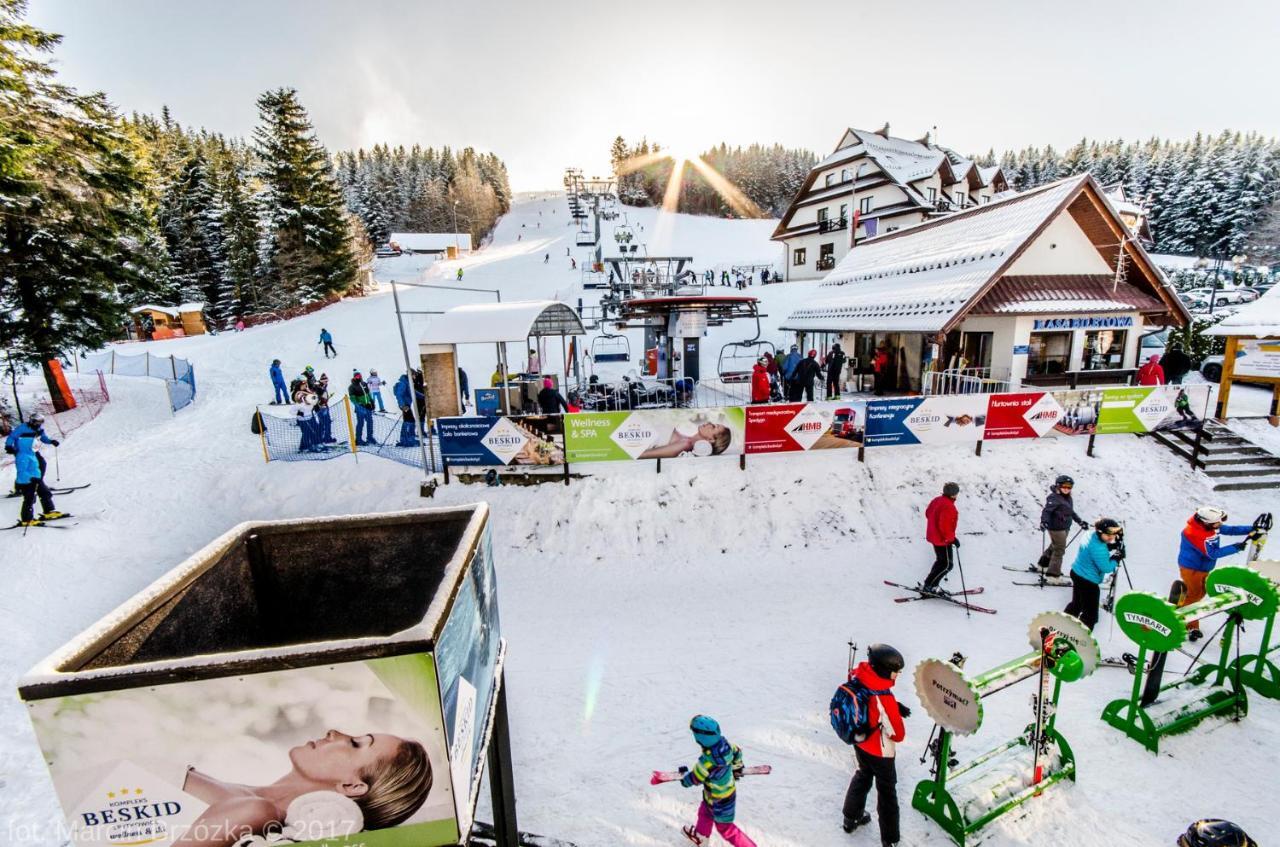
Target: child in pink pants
715, 771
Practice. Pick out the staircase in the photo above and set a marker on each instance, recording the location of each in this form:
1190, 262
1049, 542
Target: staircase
1232, 462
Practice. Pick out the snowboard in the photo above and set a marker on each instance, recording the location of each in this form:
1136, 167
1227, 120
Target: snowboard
1155, 676
660, 777
947, 597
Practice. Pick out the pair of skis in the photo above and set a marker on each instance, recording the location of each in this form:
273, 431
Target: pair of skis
955, 597
46, 523
660, 777
1044, 581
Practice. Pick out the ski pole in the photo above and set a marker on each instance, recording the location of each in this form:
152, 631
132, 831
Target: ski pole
57, 464
963, 588
853, 654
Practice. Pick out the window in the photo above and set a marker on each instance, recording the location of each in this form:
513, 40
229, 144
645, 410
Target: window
958, 198
797, 256
826, 256
830, 180
1104, 349
844, 213
1048, 353
864, 205
823, 214
845, 176
933, 195
986, 198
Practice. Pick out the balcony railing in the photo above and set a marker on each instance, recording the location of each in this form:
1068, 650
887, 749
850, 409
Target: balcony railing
825, 263
832, 224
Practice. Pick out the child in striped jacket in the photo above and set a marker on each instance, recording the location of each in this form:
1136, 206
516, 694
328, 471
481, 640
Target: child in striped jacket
715, 771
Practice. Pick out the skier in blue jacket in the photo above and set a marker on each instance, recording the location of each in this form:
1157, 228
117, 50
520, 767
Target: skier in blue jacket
404, 399
21, 443
1200, 549
788, 369
1096, 558
327, 340
278, 383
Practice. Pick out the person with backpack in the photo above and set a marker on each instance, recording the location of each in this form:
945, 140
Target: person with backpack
835, 363
362, 404
941, 518
1056, 518
872, 719
1096, 558
716, 771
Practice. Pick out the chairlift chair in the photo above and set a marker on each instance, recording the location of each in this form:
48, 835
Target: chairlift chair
609, 347
737, 358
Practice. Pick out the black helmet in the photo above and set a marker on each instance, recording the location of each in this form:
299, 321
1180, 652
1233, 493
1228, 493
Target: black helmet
951, 489
1215, 833
1063, 479
884, 660
1108, 525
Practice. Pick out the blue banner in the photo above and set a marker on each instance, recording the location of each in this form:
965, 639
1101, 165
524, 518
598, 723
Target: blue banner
488, 401
462, 441
887, 422
527, 440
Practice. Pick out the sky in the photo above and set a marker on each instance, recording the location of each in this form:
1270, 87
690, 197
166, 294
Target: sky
548, 84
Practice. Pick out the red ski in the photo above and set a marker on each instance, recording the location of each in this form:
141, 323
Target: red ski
660, 777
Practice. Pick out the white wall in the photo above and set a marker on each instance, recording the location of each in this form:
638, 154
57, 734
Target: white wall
1062, 248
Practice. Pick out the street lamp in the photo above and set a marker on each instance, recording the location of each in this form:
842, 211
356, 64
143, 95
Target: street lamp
456, 247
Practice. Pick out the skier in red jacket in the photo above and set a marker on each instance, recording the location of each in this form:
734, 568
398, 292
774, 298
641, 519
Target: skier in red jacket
941, 518
760, 382
875, 755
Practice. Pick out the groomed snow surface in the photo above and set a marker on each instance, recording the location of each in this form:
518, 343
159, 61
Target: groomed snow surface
633, 600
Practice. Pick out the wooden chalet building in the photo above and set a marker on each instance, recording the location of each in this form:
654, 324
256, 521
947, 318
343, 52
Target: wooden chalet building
1044, 287
887, 183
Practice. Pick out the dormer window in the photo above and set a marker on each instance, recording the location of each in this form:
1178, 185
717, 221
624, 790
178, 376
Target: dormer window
830, 180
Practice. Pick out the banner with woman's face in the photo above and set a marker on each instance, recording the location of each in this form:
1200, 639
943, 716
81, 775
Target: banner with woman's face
317, 753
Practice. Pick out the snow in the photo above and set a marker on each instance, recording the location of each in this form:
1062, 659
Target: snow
149, 307
632, 600
1259, 318
434, 242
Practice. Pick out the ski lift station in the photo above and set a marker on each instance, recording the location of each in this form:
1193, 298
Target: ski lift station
676, 325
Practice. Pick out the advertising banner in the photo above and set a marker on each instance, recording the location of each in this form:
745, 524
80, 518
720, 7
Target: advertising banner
1152, 408
654, 434
1026, 415
949, 419
468, 658
1258, 357
354, 752
526, 440
805, 426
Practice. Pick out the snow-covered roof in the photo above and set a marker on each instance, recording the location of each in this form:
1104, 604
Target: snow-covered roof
191, 307
494, 322
988, 173
903, 160
1261, 318
151, 307
1173, 262
918, 279
432, 241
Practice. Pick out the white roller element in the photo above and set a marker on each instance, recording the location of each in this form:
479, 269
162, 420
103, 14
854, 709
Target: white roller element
1073, 630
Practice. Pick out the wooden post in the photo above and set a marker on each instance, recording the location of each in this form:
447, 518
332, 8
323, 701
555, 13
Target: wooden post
1089, 451
977, 451
742, 462
444, 466
659, 466
566, 473
1224, 382
1195, 448
1274, 417
262, 432
502, 790
862, 453
351, 427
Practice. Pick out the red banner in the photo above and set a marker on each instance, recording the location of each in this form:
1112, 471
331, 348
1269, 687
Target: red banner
1026, 415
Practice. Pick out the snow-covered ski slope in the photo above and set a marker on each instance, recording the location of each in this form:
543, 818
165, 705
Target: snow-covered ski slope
633, 600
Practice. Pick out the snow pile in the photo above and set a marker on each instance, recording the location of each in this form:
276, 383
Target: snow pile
632, 600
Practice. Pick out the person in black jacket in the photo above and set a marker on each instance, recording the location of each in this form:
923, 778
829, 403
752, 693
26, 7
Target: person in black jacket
835, 363
1176, 364
1058, 514
803, 377
551, 401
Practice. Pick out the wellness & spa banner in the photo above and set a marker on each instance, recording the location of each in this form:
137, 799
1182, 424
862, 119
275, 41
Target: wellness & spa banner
654, 434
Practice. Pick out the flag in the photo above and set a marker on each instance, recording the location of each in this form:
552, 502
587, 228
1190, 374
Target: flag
869, 227
853, 229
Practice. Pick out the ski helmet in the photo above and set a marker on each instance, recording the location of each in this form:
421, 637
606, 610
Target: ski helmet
1215, 833
1210, 514
1064, 479
1108, 525
705, 730
884, 660
951, 489
36, 419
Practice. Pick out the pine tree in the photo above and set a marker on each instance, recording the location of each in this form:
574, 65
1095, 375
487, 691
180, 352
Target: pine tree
69, 191
304, 251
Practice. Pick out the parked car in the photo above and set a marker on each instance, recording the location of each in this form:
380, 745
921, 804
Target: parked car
1238, 294
1211, 368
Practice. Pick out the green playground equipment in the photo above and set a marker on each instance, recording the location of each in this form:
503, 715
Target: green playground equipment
1156, 626
962, 799
1257, 670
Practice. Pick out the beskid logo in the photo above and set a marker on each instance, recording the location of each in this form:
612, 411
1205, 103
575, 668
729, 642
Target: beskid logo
645, 435
503, 440
924, 419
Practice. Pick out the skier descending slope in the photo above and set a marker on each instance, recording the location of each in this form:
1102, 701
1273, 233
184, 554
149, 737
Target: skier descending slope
30, 471
875, 754
1059, 511
716, 771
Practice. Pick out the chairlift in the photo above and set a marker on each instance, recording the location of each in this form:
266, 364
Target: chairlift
737, 358
623, 234
586, 238
610, 347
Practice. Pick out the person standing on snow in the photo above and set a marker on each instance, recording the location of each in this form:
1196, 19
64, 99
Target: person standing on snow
805, 374
327, 340
1176, 365
1096, 558
941, 518
875, 755
551, 401
716, 771
1056, 518
1151, 373
1200, 549
835, 363
21, 444
880, 369
375, 384
278, 383
404, 399
323, 415
759, 382
362, 404
788, 370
